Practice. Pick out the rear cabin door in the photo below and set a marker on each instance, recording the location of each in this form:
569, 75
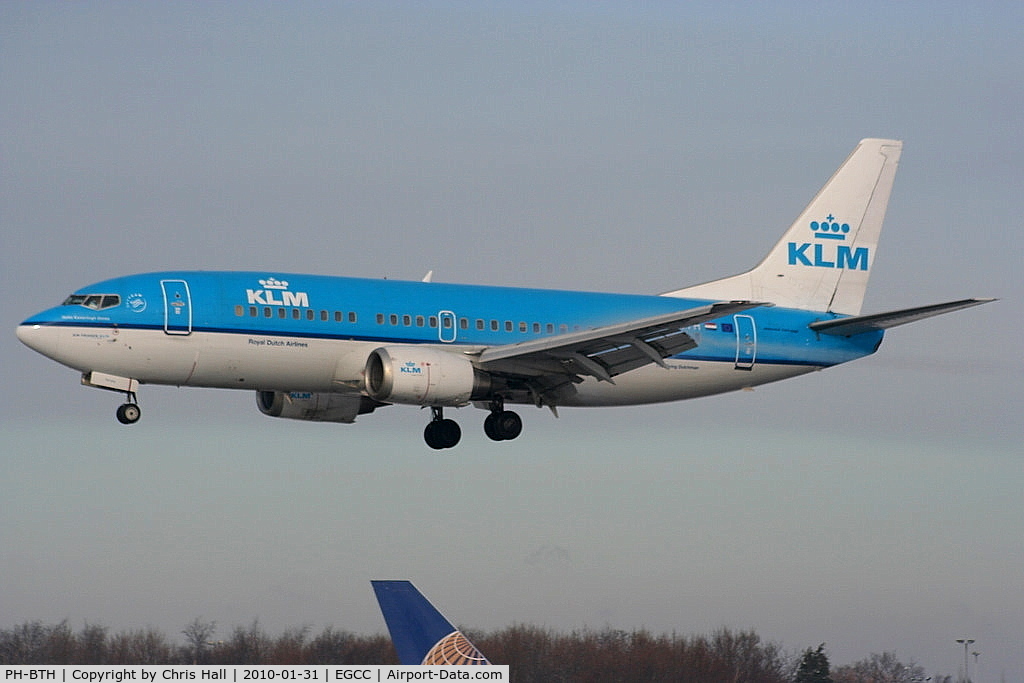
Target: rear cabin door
746, 342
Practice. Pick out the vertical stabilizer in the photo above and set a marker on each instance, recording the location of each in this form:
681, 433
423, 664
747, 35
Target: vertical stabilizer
823, 261
420, 633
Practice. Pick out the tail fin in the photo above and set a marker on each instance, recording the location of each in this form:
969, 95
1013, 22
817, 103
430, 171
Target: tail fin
420, 634
824, 260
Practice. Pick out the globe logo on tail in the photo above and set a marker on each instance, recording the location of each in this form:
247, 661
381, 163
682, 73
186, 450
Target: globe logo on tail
454, 649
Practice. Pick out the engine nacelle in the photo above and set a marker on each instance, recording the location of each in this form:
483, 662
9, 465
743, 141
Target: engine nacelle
420, 376
304, 405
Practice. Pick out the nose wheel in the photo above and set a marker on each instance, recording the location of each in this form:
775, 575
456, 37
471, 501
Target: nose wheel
128, 413
440, 432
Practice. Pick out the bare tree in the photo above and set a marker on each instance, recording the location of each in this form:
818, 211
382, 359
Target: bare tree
879, 668
198, 634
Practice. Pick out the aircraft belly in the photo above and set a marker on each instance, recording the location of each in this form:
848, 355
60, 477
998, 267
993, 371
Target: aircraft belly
681, 380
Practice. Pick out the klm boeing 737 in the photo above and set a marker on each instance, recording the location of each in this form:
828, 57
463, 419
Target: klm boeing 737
332, 348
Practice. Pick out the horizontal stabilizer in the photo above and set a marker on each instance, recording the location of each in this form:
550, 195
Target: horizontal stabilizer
847, 327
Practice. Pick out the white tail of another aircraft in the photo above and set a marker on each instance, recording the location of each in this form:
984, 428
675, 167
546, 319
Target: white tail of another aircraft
824, 260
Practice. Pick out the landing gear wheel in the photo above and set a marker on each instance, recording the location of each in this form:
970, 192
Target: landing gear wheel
128, 413
489, 428
441, 433
503, 425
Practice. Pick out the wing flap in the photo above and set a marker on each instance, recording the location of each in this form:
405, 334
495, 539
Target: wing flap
848, 327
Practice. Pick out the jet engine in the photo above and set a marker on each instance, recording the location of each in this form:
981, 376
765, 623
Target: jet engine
420, 376
304, 405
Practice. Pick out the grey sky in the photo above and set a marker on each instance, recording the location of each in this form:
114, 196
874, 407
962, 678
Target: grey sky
594, 146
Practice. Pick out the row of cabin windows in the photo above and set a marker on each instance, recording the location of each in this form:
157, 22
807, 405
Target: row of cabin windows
296, 313
405, 320
481, 324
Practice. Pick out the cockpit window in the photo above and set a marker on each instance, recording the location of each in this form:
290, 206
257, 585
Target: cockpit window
96, 302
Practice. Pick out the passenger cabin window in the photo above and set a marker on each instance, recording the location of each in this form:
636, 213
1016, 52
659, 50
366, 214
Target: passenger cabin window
239, 309
352, 317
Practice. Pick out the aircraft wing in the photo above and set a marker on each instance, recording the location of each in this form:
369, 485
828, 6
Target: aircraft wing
604, 352
847, 327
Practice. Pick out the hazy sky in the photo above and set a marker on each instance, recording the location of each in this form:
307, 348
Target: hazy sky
605, 146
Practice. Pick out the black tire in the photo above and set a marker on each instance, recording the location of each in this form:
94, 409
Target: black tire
441, 434
490, 429
508, 425
128, 413
431, 436
450, 432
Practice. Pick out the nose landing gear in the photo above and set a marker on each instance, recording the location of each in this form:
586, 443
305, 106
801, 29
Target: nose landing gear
129, 413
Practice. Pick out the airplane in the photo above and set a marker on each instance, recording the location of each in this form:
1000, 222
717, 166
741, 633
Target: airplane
420, 633
325, 348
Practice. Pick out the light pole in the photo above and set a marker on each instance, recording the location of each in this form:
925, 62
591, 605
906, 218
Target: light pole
976, 654
966, 642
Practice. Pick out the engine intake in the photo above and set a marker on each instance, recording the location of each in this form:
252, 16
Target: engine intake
420, 376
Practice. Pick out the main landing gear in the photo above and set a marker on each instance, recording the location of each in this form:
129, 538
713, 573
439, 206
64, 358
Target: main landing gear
129, 413
500, 425
441, 432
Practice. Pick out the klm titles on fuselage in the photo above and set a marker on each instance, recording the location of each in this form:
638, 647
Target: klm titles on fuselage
818, 255
271, 289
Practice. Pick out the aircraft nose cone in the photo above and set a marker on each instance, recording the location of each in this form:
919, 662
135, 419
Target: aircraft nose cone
38, 338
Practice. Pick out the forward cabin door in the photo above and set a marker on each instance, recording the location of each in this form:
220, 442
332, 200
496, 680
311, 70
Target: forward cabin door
177, 307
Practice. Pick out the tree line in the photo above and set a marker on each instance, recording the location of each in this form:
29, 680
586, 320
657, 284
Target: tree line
532, 653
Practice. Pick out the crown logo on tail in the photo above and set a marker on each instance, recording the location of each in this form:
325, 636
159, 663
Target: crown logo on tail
830, 229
